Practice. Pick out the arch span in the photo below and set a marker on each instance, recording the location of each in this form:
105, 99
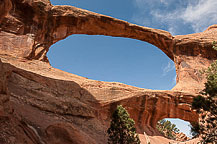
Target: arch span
32, 35
147, 108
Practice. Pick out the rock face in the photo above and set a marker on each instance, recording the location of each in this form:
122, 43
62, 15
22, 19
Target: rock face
31, 27
46, 101
41, 104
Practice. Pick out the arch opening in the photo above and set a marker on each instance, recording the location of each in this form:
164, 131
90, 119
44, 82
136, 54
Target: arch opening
176, 129
114, 59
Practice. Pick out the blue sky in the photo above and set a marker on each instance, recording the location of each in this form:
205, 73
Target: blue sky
129, 61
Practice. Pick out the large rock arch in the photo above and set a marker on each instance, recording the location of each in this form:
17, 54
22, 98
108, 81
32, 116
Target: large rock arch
31, 89
30, 36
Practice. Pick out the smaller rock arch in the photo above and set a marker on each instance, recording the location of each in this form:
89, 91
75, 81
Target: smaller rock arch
149, 107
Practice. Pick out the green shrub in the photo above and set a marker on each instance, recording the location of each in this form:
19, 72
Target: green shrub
122, 129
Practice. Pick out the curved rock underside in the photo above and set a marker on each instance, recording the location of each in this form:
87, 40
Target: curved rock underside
41, 104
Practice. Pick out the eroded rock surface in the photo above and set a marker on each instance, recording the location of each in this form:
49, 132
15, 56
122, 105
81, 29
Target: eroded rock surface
41, 104
31, 27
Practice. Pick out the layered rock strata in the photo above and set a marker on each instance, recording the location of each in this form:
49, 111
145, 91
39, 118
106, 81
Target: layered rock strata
54, 105
31, 27
41, 104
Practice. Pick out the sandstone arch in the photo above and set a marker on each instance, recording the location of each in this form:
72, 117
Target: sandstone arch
31, 27
48, 24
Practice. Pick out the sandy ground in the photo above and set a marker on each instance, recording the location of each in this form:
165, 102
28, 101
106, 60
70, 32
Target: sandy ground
163, 140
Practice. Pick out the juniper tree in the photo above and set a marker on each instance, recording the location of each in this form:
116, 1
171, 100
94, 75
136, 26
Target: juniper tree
206, 105
122, 129
166, 128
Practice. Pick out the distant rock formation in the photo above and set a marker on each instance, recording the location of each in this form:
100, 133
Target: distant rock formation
41, 104
181, 137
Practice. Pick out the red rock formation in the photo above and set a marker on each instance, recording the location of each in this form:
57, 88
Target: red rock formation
46, 105
43, 97
181, 137
33, 26
5, 7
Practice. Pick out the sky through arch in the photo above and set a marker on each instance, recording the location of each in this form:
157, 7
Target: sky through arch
113, 59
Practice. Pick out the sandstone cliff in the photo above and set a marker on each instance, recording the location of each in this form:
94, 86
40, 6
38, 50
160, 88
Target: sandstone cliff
41, 104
